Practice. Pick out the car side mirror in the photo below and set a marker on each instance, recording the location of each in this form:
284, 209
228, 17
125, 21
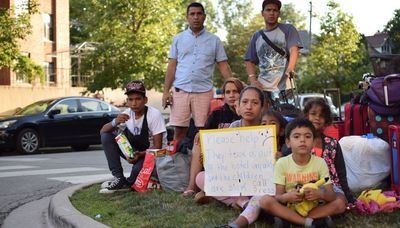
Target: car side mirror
54, 112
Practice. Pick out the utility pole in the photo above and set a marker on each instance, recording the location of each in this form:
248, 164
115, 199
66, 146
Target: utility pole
310, 34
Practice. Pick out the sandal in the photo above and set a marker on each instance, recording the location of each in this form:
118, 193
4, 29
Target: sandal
188, 193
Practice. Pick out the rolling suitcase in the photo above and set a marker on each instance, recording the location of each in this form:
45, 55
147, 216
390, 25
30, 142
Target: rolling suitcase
394, 141
336, 129
356, 119
379, 123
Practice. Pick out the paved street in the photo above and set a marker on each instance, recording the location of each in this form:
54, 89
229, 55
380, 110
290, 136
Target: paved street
25, 178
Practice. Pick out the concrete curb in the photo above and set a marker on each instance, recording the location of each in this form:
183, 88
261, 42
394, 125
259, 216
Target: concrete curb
63, 214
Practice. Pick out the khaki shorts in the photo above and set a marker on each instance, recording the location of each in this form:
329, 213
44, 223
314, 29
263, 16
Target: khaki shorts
186, 105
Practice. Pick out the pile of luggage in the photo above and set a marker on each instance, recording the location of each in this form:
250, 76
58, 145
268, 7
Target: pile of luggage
376, 113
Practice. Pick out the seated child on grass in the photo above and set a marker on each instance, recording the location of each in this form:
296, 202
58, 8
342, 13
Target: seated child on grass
252, 210
220, 118
300, 168
251, 103
318, 112
272, 117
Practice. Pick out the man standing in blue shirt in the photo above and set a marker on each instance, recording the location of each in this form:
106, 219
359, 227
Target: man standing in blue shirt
275, 67
192, 57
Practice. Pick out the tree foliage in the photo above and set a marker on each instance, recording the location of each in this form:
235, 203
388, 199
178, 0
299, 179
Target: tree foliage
338, 57
393, 29
290, 15
15, 26
132, 38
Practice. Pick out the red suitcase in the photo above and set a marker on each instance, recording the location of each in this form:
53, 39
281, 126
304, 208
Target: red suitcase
336, 129
356, 119
394, 141
380, 123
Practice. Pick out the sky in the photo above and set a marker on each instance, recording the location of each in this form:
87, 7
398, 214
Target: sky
368, 16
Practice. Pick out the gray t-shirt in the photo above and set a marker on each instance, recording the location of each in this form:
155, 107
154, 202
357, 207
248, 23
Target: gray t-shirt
272, 65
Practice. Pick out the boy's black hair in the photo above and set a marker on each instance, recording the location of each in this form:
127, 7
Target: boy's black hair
194, 4
325, 109
299, 122
271, 112
259, 92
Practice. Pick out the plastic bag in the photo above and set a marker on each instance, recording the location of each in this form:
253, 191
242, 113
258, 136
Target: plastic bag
147, 178
367, 161
173, 171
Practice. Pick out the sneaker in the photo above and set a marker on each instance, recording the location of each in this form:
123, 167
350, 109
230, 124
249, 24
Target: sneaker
106, 184
323, 222
119, 184
329, 222
281, 223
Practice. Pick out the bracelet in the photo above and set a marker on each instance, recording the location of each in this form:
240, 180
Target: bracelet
114, 122
252, 76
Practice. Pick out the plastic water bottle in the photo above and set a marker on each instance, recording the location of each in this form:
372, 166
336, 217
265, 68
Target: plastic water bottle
121, 128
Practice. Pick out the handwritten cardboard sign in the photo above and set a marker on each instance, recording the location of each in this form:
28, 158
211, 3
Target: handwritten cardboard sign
239, 161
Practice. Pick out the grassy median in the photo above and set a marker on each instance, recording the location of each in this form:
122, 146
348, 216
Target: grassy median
162, 209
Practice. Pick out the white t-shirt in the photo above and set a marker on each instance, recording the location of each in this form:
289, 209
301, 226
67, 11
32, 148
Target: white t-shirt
155, 122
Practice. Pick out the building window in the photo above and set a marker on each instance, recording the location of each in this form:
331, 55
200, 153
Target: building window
48, 26
50, 72
21, 6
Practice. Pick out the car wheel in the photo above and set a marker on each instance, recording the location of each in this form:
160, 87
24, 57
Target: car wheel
28, 141
80, 147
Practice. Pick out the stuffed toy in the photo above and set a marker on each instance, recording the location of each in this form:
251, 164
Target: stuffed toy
373, 201
375, 195
306, 206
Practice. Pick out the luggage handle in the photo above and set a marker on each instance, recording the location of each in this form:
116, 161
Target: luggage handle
293, 86
385, 85
337, 91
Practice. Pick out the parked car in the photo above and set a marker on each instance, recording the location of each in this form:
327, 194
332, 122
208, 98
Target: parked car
303, 98
66, 121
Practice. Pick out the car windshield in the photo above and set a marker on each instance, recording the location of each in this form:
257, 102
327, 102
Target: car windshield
35, 108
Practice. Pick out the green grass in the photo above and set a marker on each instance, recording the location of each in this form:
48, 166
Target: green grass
163, 209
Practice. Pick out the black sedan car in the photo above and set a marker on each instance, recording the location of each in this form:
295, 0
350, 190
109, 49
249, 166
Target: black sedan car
66, 121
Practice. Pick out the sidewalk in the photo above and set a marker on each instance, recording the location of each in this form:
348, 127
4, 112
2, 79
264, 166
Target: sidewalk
54, 211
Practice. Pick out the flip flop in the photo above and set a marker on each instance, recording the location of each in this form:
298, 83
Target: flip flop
189, 192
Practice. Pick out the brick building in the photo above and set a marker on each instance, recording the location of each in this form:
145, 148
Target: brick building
47, 45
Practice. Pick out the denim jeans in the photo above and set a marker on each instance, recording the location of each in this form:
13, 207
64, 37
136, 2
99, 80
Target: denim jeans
114, 155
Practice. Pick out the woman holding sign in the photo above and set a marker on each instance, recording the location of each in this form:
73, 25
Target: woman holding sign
221, 117
251, 104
